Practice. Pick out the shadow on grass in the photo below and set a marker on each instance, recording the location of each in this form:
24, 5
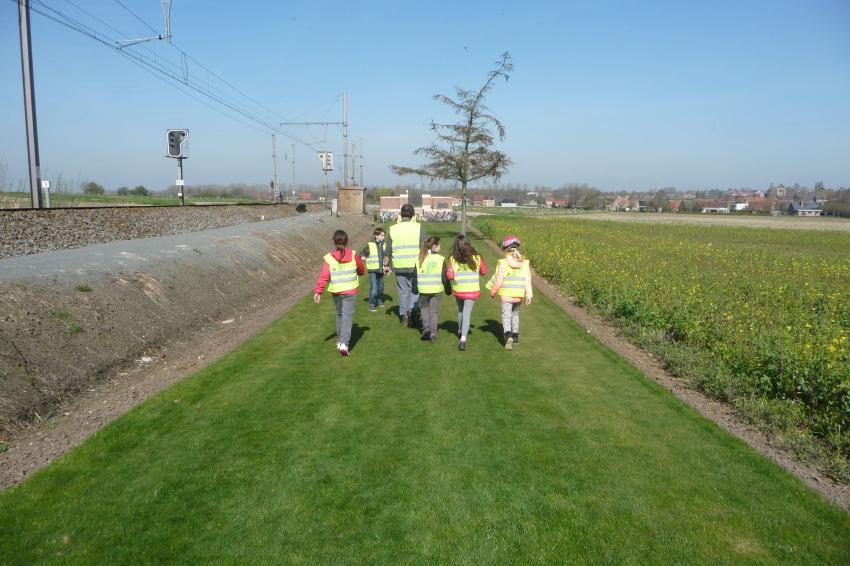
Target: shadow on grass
494, 327
357, 333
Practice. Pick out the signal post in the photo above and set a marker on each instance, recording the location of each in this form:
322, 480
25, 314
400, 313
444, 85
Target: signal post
175, 140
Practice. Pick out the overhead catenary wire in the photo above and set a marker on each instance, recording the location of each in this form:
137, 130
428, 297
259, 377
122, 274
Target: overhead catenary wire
152, 65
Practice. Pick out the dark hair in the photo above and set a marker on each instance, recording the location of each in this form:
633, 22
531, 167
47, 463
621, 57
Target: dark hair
407, 211
378, 231
464, 253
340, 241
429, 243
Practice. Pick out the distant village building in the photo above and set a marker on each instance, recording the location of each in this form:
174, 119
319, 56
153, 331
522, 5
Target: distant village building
394, 203
508, 203
804, 209
439, 202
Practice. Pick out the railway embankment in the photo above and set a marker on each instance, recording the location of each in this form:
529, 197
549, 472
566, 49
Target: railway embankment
71, 319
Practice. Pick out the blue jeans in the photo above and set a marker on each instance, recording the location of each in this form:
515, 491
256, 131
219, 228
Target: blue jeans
376, 289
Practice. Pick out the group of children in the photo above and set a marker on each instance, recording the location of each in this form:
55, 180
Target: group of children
457, 274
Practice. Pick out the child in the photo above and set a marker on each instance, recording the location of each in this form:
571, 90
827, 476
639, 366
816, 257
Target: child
341, 267
512, 282
374, 253
464, 266
430, 270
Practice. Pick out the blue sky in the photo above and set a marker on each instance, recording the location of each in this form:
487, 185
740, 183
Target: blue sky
618, 94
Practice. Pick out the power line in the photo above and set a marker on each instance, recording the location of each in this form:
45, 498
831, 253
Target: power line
135, 15
153, 66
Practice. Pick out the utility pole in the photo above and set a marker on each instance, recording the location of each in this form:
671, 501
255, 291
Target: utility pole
275, 190
29, 104
344, 137
292, 154
360, 157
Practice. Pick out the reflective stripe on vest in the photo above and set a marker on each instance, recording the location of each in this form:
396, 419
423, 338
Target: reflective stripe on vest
373, 262
513, 281
466, 278
429, 274
343, 275
405, 248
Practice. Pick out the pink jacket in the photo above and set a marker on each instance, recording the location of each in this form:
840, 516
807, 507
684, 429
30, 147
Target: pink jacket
500, 278
326, 271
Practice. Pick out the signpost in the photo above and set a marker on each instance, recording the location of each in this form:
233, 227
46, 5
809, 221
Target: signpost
175, 140
327, 159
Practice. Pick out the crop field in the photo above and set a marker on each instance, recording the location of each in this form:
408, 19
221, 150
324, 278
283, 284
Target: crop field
758, 316
407, 451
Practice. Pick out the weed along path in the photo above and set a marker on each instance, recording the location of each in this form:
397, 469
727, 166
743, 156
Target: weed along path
409, 451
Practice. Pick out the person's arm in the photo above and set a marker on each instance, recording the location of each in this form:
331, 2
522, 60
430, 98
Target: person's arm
361, 269
450, 273
324, 277
497, 280
528, 289
365, 251
421, 235
388, 249
482, 267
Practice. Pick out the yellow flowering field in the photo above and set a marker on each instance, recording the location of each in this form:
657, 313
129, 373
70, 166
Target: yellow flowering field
769, 308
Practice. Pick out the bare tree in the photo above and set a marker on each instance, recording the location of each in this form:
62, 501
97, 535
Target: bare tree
464, 150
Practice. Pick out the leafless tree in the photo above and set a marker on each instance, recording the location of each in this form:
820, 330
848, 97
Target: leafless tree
463, 151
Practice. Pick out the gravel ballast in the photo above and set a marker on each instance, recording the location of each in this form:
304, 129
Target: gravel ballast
25, 232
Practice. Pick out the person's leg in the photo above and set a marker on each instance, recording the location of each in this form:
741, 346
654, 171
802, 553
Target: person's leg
379, 292
459, 316
507, 309
515, 318
467, 317
434, 313
403, 283
346, 318
338, 305
373, 290
424, 303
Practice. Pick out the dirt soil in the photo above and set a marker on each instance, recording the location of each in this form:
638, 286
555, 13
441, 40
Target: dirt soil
87, 334
723, 414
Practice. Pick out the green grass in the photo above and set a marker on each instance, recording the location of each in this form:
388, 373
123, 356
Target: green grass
84, 288
283, 451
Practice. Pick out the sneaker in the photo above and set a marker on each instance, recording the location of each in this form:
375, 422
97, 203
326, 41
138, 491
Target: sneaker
373, 309
380, 304
404, 320
338, 344
425, 336
343, 350
462, 346
410, 322
433, 337
516, 337
509, 343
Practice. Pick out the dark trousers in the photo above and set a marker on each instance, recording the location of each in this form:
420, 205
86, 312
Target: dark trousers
376, 289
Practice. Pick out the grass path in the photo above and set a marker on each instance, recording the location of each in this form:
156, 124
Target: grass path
283, 452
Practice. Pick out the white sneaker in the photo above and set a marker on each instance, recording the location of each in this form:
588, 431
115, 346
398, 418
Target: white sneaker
338, 344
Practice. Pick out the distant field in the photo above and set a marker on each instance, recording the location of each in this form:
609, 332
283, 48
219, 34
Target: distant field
759, 317
793, 222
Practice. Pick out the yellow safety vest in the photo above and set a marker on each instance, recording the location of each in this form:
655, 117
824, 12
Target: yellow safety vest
429, 274
343, 275
373, 262
466, 278
514, 280
405, 237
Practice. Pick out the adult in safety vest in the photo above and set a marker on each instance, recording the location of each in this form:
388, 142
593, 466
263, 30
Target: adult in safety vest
463, 269
430, 277
404, 241
340, 271
512, 282
373, 255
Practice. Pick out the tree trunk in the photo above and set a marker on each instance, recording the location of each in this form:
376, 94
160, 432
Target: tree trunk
463, 208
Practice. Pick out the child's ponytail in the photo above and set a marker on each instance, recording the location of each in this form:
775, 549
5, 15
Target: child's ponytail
340, 241
427, 246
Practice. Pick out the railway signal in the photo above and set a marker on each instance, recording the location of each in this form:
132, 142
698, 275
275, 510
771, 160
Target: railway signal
176, 139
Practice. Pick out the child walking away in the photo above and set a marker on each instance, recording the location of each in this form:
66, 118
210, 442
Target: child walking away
341, 268
464, 266
512, 282
373, 251
430, 271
